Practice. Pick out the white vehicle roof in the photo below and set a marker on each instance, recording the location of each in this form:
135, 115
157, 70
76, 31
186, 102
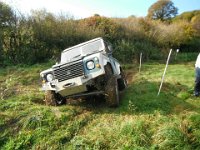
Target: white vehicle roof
83, 49
84, 43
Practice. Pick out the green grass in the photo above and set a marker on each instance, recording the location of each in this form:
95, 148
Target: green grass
142, 121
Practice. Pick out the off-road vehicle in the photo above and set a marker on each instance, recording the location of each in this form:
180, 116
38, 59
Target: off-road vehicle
84, 70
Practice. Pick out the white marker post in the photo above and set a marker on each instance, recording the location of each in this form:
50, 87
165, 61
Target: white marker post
140, 62
163, 76
176, 53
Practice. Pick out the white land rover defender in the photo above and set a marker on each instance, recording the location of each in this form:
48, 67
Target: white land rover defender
84, 70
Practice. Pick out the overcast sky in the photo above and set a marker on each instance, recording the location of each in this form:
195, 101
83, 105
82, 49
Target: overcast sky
108, 8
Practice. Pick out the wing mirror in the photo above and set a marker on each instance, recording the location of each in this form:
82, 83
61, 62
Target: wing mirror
110, 48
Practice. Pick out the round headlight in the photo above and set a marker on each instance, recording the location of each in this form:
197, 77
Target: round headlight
49, 77
90, 65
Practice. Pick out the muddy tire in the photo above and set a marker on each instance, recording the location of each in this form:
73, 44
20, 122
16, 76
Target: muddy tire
111, 88
54, 99
122, 83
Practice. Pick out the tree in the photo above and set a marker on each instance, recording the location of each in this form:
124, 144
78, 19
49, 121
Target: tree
196, 23
108, 27
6, 18
162, 10
6, 15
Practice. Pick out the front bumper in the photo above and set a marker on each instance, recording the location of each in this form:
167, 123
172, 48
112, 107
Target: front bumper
72, 86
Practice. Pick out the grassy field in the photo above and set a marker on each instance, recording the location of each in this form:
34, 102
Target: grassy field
143, 120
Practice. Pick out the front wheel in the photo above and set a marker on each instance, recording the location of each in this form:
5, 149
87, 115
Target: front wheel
111, 88
54, 99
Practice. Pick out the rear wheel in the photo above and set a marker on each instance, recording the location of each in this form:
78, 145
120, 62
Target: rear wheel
111, 88
54, 99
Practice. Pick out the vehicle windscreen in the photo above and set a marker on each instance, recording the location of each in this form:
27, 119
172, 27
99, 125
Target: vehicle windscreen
83, 50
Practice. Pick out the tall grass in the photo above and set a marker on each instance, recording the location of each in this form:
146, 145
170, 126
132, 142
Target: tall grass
143, 120
186, 57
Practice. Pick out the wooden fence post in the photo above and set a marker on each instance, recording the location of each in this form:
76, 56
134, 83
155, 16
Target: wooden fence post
140, 62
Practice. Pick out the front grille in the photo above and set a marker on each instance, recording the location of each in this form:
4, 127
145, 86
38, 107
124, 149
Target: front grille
70, 71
